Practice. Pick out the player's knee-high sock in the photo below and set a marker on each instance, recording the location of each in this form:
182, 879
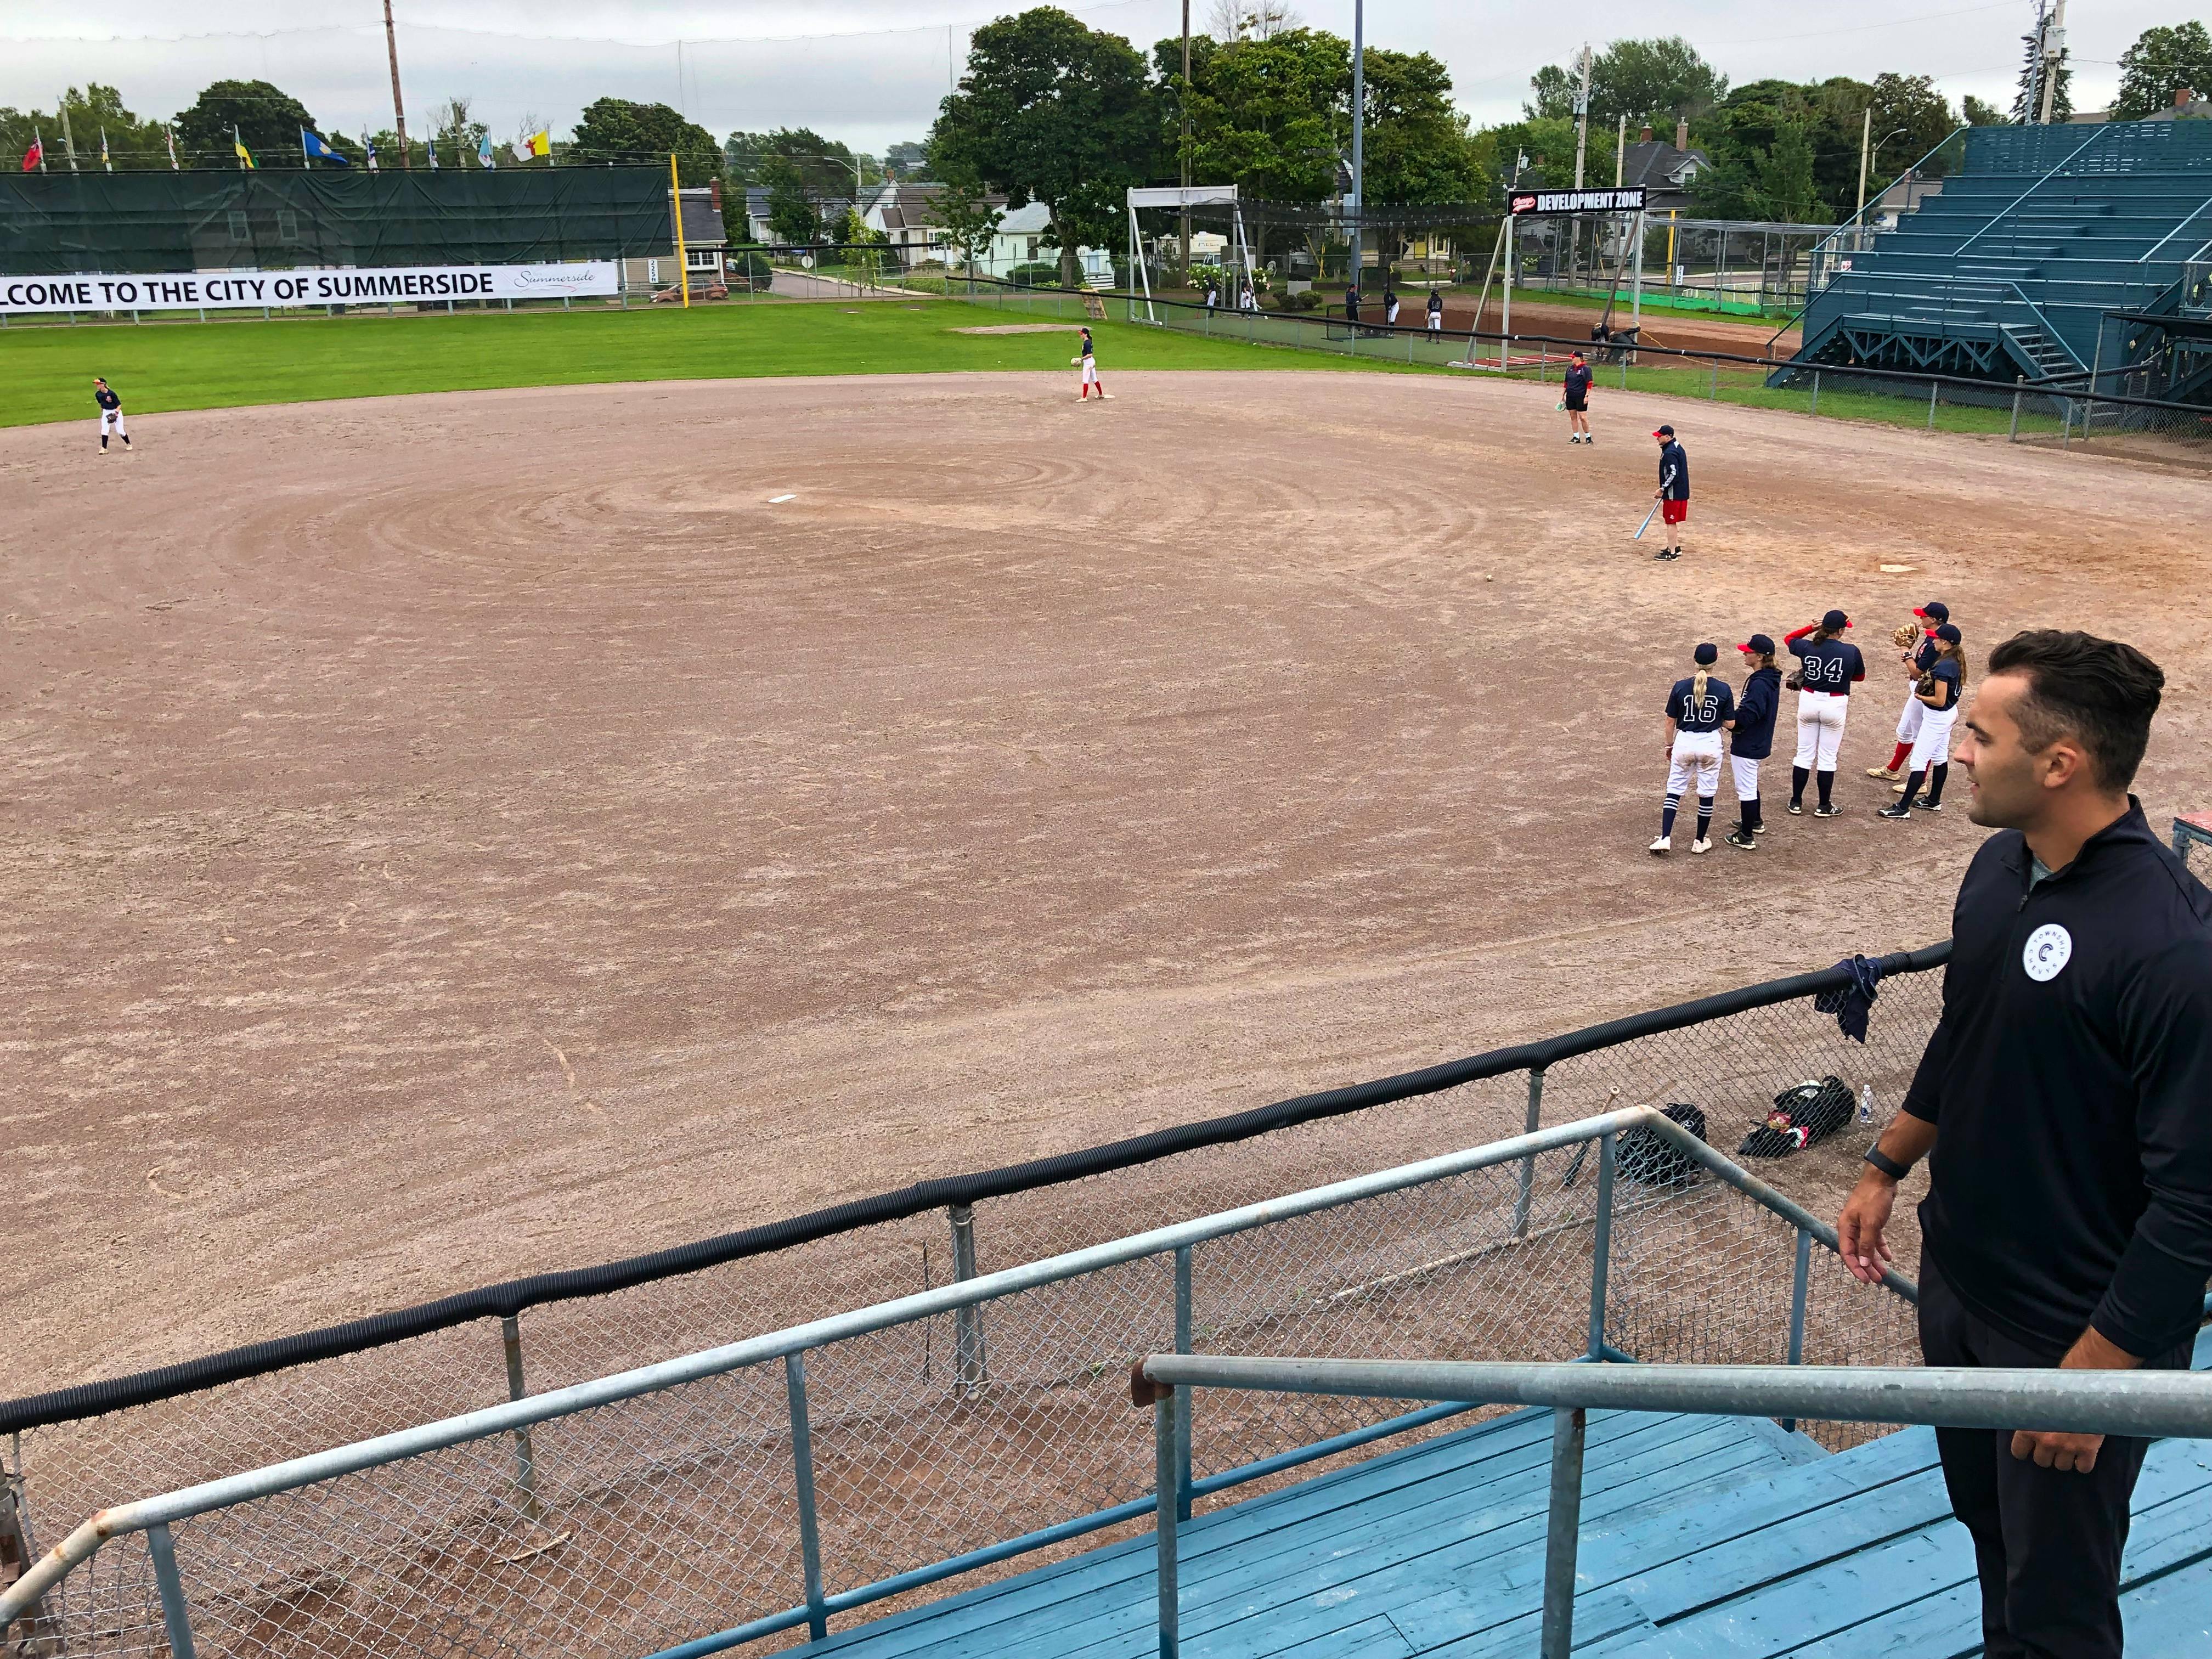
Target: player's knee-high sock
1705, 815
1798, 776
103, 441
1912, 783
1666, 815
1937, 776
1898, 759
1751, 819
1827, 783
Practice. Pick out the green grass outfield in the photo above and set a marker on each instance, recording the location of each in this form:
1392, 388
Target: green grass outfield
45, 372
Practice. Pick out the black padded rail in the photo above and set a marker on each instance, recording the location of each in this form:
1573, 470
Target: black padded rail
499, 1301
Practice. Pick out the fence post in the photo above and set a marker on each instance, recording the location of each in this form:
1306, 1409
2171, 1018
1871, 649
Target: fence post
1816, 391
1183, 1418
802, 1467
968, 1322
175, 1617
1528, 1176
1799, 1284
1165, 1413
526, 1461
1933, 383
2013, 436
1713, 388
2066, 426
1601, 1247
1562, 1533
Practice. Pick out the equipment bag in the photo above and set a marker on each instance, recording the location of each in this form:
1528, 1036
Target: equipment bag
1806, 1113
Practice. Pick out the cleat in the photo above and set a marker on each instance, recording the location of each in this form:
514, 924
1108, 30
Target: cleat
1759, 828
1827, 811
1796, 810
1897, 813
1741, 838
1701, 845
1897, 789
1888, 774
1664, 844
1928, 807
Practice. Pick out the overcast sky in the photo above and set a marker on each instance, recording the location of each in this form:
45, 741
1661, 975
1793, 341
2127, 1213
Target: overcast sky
869, 72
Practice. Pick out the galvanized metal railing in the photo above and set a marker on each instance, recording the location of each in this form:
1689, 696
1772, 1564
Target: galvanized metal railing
2172, 1404
1475, 1241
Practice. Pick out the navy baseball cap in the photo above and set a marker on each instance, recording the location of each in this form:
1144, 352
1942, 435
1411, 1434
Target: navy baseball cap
1664, 432
1706, 655
1835, 619
1759, 643
1948, 634
1933, 610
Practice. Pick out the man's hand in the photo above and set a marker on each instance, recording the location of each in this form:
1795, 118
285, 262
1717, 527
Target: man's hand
1859, 1238
2074, 1453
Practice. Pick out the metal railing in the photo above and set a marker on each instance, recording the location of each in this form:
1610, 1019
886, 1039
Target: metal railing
2172, 1404
772, 1484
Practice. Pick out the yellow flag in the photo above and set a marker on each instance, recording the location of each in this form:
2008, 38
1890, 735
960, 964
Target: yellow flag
245, 155
541, 144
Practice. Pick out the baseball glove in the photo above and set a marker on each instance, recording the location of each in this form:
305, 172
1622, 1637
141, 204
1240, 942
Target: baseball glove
1927, 684
1794, 681
1905, 634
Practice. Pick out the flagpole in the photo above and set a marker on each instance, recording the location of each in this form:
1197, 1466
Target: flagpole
307, 162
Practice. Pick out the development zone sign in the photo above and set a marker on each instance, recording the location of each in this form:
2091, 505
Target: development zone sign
1537, 203
238, 290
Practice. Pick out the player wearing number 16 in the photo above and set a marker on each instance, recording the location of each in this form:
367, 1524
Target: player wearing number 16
2065, 1105
1698, 709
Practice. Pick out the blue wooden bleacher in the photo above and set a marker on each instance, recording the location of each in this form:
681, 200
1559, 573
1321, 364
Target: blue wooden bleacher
1701, 1536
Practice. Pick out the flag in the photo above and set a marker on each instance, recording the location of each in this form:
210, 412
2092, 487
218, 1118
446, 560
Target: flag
533, 143
369, 144
36, 156
245, 155
431, 149
485, 158
104, 161
312, 145
170, 133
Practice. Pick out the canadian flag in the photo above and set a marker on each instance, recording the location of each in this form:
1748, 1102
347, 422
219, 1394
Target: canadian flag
36, 156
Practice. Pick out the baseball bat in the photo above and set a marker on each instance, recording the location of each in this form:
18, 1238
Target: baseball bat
1646, 525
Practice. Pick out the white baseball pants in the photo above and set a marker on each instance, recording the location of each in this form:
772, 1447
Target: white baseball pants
1932, 747
1820, 716
1908, 723
1090, 373
1696, 759
111, 420
1747, 777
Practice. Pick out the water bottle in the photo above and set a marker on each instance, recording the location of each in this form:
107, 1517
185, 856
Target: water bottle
1866, 1102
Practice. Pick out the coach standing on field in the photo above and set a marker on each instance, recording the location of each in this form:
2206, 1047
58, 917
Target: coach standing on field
2066, 1097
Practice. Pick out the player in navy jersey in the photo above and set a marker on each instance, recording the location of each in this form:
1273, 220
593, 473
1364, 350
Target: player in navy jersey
1828, 668
1938, 692
1752, 738
1698, 709
1575, 399
1088, 357
110, 414
1674, 492
1916, 661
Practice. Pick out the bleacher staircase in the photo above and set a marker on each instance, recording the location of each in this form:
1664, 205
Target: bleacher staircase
2012, 269
1700, 1536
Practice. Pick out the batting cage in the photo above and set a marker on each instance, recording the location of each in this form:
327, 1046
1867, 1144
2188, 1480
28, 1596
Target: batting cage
219, 218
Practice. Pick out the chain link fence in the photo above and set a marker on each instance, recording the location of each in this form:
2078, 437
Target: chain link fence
915, 1464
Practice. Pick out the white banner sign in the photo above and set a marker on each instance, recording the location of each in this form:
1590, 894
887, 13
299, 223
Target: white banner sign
234, 290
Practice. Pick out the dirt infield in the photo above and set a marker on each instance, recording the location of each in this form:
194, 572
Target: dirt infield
454, 836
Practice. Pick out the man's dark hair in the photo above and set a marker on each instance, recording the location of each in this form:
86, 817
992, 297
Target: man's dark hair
2101, 691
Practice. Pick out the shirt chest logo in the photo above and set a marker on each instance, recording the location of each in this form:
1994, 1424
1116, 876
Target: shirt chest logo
2049, 947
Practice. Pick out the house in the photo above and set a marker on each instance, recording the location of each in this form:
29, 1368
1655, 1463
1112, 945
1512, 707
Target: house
905, 214
1666, 172
831, 211
2186, 107
705, 244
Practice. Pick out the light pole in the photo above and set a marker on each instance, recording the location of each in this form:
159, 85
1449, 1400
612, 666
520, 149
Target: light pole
1359, 133
1868, 156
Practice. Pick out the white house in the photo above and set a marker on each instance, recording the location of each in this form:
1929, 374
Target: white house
905, 213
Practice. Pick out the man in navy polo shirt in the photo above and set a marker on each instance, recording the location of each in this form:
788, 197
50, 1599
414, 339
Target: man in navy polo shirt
2066, 1096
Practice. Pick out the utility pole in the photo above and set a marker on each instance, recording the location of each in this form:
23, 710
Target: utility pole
1182, 246
1620, 154
1866, 132
399, 114
1582, 119
2035, 66
1359, 134
2051, 47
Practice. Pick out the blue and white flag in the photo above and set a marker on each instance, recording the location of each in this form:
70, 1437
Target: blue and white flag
430, 149
483, 152
316, 150
369, 144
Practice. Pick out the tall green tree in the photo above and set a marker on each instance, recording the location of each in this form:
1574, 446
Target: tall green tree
1975, 113
617, 129
1660, 80
1050, 111
1418, 147
1269, 115
822, 165
2160, 61
795, 211
2061, 97
132, 143
267, 119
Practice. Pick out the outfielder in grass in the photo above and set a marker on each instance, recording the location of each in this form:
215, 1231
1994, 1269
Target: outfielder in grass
1088, 358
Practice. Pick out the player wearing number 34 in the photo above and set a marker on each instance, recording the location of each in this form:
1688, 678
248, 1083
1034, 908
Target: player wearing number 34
2064, 1105
1698, 709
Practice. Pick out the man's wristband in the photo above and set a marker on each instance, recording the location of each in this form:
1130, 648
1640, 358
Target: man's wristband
1888, 1165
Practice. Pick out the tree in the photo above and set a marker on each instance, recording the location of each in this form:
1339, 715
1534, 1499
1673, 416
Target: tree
1977, 113
455, 131
908, 161
822, 165
1049, 111
1418, 147
1269, 116
265, 118
132, 144
967, 219
1660, 80
793, 213
2031, 87
616, 130
1251, 20
2160, 61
